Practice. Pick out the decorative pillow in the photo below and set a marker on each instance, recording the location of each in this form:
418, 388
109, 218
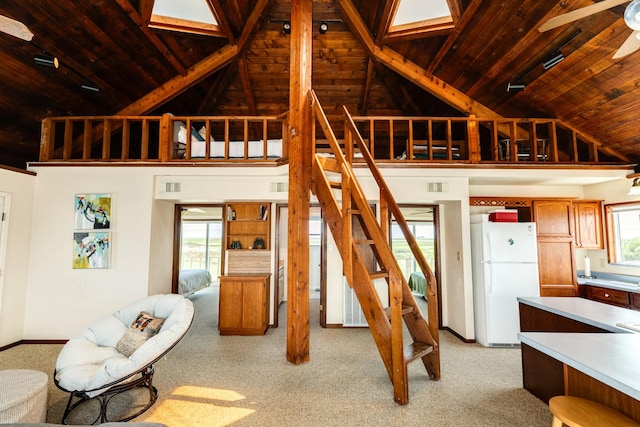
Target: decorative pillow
144, 327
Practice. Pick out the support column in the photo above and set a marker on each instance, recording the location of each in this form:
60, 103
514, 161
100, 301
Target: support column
300, 140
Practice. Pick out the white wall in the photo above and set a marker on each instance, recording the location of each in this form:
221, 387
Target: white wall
18, 188
142, 227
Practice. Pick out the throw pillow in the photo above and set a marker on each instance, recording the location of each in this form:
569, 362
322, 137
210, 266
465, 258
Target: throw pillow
144, 327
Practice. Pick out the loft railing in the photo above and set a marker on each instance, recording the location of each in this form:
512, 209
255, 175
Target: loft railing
176, 139
165, 138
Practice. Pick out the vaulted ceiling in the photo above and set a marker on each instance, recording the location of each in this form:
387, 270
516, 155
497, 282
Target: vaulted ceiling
149, 71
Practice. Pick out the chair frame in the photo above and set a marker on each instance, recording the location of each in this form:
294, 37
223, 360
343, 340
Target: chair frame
114, 388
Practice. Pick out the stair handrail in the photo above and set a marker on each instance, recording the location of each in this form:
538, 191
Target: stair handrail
385, 194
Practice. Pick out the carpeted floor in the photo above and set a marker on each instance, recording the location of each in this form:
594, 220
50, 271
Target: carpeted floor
209, 380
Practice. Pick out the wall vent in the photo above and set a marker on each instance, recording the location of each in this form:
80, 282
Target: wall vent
171, 187
436, 187
279, 187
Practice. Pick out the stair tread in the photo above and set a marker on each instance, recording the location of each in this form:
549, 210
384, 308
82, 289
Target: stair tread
364, 242
378, 275
406, 309
416, 350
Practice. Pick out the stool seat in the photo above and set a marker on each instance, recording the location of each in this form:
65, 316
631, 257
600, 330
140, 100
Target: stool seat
23, 396
577, 412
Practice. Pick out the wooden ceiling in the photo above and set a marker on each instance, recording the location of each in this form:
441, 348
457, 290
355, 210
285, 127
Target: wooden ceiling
143, 71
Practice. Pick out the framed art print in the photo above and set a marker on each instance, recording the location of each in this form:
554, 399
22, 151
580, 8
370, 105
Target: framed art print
92, 211
91, 249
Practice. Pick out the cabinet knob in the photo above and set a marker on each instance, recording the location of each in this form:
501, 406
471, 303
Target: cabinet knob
606, 295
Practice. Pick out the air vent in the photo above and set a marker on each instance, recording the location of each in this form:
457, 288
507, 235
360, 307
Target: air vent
279, 187
436, 187
171, 187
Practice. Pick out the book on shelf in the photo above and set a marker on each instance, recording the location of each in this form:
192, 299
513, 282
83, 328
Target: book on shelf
264, 213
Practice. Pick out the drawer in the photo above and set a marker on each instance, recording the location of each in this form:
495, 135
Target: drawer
611, 296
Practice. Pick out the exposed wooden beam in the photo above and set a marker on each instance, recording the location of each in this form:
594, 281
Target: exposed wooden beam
222, 21
179, 84
216, 89
299, 151
125, 5
388, 13
243, 69
367, 87
409, 70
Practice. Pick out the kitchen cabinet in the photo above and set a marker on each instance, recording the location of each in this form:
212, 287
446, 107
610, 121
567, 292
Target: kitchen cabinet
617, 297
244, 304
588, 224
556, 259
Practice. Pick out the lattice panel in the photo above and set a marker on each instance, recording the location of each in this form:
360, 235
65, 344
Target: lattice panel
500, 201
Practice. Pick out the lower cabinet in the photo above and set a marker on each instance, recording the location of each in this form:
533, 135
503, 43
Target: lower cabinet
244, 304
611, 296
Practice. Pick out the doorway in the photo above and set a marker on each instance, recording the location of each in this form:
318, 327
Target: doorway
199, 240
423, 223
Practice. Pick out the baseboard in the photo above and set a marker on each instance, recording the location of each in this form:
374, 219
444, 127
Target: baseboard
460, 337
17, 343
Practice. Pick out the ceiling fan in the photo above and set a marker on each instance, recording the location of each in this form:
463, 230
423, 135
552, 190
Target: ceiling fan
631, 18
15, 28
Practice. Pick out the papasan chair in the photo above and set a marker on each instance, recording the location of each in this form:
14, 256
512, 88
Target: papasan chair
116, 354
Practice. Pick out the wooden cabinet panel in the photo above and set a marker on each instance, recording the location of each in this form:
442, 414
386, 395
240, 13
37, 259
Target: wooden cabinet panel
609, 296
556, 268
553, 218
556, 264
588, 224
244, 304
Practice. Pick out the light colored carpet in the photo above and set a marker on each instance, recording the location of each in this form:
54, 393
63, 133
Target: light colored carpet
209, 380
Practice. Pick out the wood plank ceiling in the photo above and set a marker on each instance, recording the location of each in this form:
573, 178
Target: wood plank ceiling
109, 43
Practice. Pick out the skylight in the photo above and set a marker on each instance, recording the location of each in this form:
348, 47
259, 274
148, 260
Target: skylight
416, 11
191, 16
413, 17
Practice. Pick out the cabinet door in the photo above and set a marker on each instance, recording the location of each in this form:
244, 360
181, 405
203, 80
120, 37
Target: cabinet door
553, 218
254, 305
230, 308
588, 220
556, 268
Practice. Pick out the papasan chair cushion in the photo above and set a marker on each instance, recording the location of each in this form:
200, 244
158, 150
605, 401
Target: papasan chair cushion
89, 364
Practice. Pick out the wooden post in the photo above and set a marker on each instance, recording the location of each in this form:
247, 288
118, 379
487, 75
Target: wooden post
473, 139
300, 125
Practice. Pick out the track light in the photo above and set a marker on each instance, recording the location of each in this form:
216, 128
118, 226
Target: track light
552, 60
323, 27
286, 27
46, 59
90, 87
515, 87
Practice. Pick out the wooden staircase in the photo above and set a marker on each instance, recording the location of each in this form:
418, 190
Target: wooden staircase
366, 254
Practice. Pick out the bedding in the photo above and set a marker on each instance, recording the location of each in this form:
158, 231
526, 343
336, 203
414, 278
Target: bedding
191, 281
217, 148
418, 283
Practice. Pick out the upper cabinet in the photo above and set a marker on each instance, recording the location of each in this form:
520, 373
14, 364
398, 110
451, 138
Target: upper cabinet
588, 223
554, 218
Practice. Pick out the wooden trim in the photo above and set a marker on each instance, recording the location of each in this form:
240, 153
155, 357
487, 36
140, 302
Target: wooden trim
500, 201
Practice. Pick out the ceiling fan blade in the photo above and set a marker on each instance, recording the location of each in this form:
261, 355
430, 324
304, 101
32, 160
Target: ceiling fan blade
630, 45
583, 12
15, 28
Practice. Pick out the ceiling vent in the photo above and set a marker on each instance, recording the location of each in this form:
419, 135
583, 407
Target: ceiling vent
436, 187
279, 187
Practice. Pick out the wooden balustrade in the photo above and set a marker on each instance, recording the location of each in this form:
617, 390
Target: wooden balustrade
169, 138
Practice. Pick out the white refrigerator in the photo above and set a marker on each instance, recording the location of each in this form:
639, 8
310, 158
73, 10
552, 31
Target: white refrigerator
504, 267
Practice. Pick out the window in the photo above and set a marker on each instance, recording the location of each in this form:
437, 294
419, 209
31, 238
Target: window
420, 18
201, 245
623, 233
189, 16
424, 232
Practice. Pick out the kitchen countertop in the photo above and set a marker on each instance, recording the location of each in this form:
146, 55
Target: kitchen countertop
618, 366
600, 315
611, 281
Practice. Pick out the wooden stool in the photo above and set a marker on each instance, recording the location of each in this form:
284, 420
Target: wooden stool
577, 412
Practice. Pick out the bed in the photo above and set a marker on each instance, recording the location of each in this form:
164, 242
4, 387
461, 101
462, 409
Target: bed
191, 281
255, 148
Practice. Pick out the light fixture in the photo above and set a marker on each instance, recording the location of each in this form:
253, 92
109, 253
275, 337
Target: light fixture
286, 27
553, 60
90, 87
632, 15
515, 87
635, 188
323, 27
46, 59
